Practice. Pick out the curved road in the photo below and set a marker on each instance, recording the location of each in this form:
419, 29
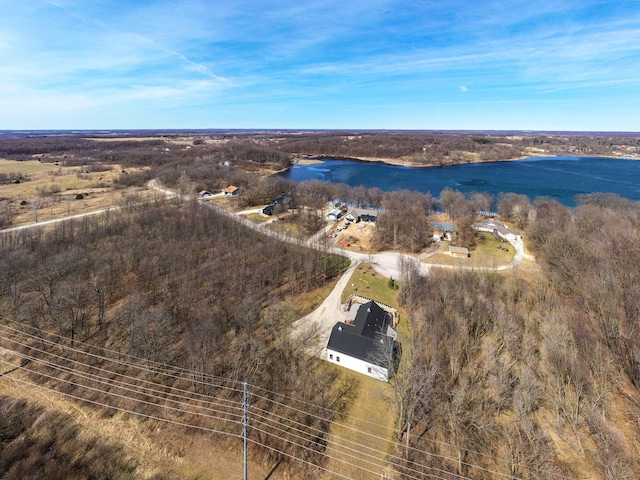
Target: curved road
385, 263
314, 329
317, 324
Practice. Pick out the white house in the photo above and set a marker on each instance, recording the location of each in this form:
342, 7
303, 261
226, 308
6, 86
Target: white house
334, 214
499, 229
365, 345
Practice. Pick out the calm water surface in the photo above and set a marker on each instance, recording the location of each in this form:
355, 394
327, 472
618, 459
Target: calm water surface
561, 178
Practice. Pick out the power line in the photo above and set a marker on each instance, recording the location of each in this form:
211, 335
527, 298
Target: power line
191, 425
258, 415
112, 394
159, 366
137, 379
120, 409
100, 380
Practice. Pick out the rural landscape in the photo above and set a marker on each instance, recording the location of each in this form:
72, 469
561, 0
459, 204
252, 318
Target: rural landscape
172, 308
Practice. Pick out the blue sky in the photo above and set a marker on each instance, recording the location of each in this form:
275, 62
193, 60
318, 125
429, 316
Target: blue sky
326, 64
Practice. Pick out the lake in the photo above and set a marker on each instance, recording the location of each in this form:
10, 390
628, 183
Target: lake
557, 177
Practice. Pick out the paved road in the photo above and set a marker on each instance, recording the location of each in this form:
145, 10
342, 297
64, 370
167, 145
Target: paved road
385, 263
315, 328
56, 220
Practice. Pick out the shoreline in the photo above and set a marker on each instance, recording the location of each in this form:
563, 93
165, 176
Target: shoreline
397, 162
394, 162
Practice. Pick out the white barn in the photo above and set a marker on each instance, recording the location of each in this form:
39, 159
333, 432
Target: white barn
365, 346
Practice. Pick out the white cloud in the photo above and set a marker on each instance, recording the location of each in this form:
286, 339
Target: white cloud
463, 88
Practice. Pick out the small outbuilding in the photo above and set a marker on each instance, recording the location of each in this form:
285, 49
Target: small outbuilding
231, 190
459, 252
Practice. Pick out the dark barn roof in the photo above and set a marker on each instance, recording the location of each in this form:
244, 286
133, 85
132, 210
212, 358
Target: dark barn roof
371, 319
283, 199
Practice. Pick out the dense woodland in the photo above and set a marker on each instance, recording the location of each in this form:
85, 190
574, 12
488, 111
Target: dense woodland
532, 373
174, 283
538, 368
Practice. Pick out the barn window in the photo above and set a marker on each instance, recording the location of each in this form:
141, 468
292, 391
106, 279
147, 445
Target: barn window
331, 356
337, 359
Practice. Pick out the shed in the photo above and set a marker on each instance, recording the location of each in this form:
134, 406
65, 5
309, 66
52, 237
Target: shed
460, 252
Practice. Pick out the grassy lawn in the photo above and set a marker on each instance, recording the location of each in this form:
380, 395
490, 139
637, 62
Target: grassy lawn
488, 252
366, 282
370, 423
255, 217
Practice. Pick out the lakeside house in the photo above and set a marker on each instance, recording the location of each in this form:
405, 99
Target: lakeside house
443, 231
365, 343
284, 200
280, 204
498, 229
363, 214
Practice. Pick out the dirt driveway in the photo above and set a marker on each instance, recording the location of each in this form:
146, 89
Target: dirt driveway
314, 329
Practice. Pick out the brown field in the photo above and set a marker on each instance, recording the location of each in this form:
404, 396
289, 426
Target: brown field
49, 191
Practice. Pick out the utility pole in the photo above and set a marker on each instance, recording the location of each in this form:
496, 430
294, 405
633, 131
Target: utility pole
245, 421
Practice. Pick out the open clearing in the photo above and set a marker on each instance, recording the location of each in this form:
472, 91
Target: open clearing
488, 253
49, 191
26, 167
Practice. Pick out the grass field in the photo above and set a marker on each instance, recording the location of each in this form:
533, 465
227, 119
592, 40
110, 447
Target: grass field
370, 423
26, 167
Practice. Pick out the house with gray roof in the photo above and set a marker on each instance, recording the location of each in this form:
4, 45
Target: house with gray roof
499, 229
367, 344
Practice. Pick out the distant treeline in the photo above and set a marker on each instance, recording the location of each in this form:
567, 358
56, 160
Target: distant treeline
277, 148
